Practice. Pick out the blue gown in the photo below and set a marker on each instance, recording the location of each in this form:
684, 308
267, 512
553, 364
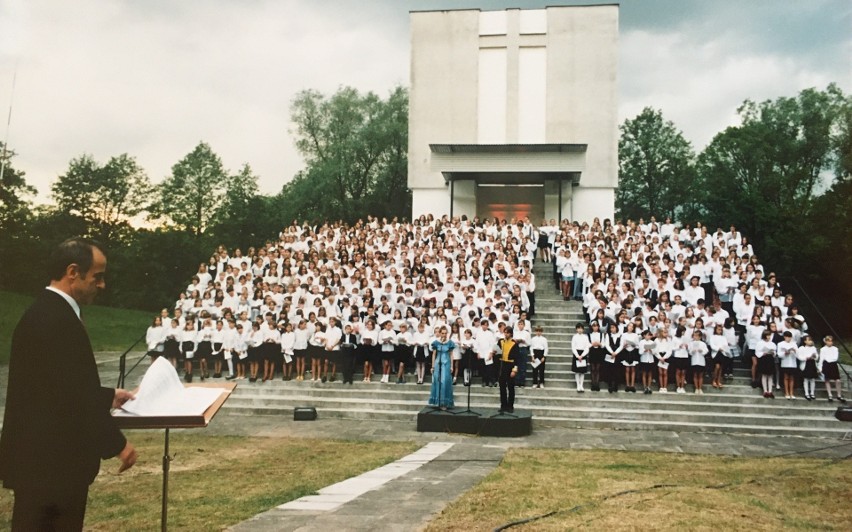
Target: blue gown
442, 379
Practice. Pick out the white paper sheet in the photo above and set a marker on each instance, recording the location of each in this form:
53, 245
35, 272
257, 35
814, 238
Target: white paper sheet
162, 394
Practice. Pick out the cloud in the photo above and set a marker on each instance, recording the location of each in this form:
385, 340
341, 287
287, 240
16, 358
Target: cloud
698, 84
153, 78
107, 78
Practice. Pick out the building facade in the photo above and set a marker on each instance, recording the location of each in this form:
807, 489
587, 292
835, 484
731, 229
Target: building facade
514, 113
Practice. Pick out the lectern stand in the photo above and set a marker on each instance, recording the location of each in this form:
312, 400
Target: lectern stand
175, 422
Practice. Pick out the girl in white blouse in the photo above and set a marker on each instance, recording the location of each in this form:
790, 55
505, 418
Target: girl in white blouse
828, 356
807, 356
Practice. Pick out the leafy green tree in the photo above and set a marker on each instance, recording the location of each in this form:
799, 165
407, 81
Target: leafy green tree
14, 193
764, 174
246, 217
190, 198
106, 197
354, 146
656, 168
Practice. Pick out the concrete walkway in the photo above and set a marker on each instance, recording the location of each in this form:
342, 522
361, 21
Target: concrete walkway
383, 498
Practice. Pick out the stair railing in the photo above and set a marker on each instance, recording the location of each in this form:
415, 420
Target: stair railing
122, 362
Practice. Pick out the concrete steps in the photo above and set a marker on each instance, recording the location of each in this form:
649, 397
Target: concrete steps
737, 408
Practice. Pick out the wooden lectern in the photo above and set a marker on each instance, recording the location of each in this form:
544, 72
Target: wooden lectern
175, 422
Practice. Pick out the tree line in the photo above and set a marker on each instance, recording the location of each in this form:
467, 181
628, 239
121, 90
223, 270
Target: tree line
782, 176
354, 146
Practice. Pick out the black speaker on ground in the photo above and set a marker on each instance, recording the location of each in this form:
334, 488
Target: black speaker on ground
844, 413
304, 413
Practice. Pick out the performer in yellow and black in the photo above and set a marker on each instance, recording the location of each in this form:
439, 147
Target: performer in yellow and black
509, 354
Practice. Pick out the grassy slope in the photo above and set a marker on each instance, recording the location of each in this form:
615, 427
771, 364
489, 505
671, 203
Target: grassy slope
110, 329
218, 481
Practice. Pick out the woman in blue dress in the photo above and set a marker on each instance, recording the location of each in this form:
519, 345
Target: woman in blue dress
442, 371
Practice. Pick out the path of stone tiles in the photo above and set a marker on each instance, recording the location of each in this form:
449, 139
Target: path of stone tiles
402, 496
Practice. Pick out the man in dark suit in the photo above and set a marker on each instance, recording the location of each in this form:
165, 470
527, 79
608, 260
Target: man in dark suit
57, 424
509, 357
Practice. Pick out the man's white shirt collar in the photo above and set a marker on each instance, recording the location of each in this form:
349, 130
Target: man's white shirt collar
67, 298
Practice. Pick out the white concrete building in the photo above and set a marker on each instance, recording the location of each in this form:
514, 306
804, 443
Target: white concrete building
514, 113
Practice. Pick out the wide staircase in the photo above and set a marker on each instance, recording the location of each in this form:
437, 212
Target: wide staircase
735, 409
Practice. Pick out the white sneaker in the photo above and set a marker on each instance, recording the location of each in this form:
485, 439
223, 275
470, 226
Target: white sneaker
664, 390
681, 390
541, 386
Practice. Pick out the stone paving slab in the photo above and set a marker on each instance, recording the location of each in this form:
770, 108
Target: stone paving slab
407, 502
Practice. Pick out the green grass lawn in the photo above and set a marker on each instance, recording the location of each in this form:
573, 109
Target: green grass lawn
616, 490
218, 481
111, 329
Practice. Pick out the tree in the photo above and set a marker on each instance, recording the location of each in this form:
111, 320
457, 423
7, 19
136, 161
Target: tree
190, 198
244, 216
14, 191
354, 148
764, 174
656, 168
106, 197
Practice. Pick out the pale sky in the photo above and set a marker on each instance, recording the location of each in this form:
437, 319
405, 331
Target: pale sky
152, 78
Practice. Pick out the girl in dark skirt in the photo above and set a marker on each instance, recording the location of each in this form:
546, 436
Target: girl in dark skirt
597, 353
253, 350
647, 359
828, 356
611, 359
171, 345
580, 347
204, 349
402, 352
300, 348
680, 357
466, 347
765, 352
370, 348
719, 352
216, 354
807, 356
316, 351
629, 356
789, 369
420, 343
187, 348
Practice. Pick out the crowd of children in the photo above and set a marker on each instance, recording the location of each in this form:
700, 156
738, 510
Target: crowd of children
373, 295
680, 302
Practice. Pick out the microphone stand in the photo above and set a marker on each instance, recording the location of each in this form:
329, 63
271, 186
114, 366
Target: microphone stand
469, 386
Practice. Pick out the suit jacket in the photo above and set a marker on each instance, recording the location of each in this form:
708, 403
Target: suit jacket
57, 423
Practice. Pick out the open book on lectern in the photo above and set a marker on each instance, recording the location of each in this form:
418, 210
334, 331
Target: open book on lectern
161, 393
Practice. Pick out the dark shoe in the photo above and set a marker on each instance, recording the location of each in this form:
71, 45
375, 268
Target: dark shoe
188, 377
230, 377
217, 375
323, 379
510, 410
841, 399
831, 399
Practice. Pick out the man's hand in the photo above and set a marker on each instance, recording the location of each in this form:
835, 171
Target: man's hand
128, 457
121, 397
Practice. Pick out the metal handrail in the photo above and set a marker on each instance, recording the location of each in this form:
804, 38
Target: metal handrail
837, 337
122, 362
